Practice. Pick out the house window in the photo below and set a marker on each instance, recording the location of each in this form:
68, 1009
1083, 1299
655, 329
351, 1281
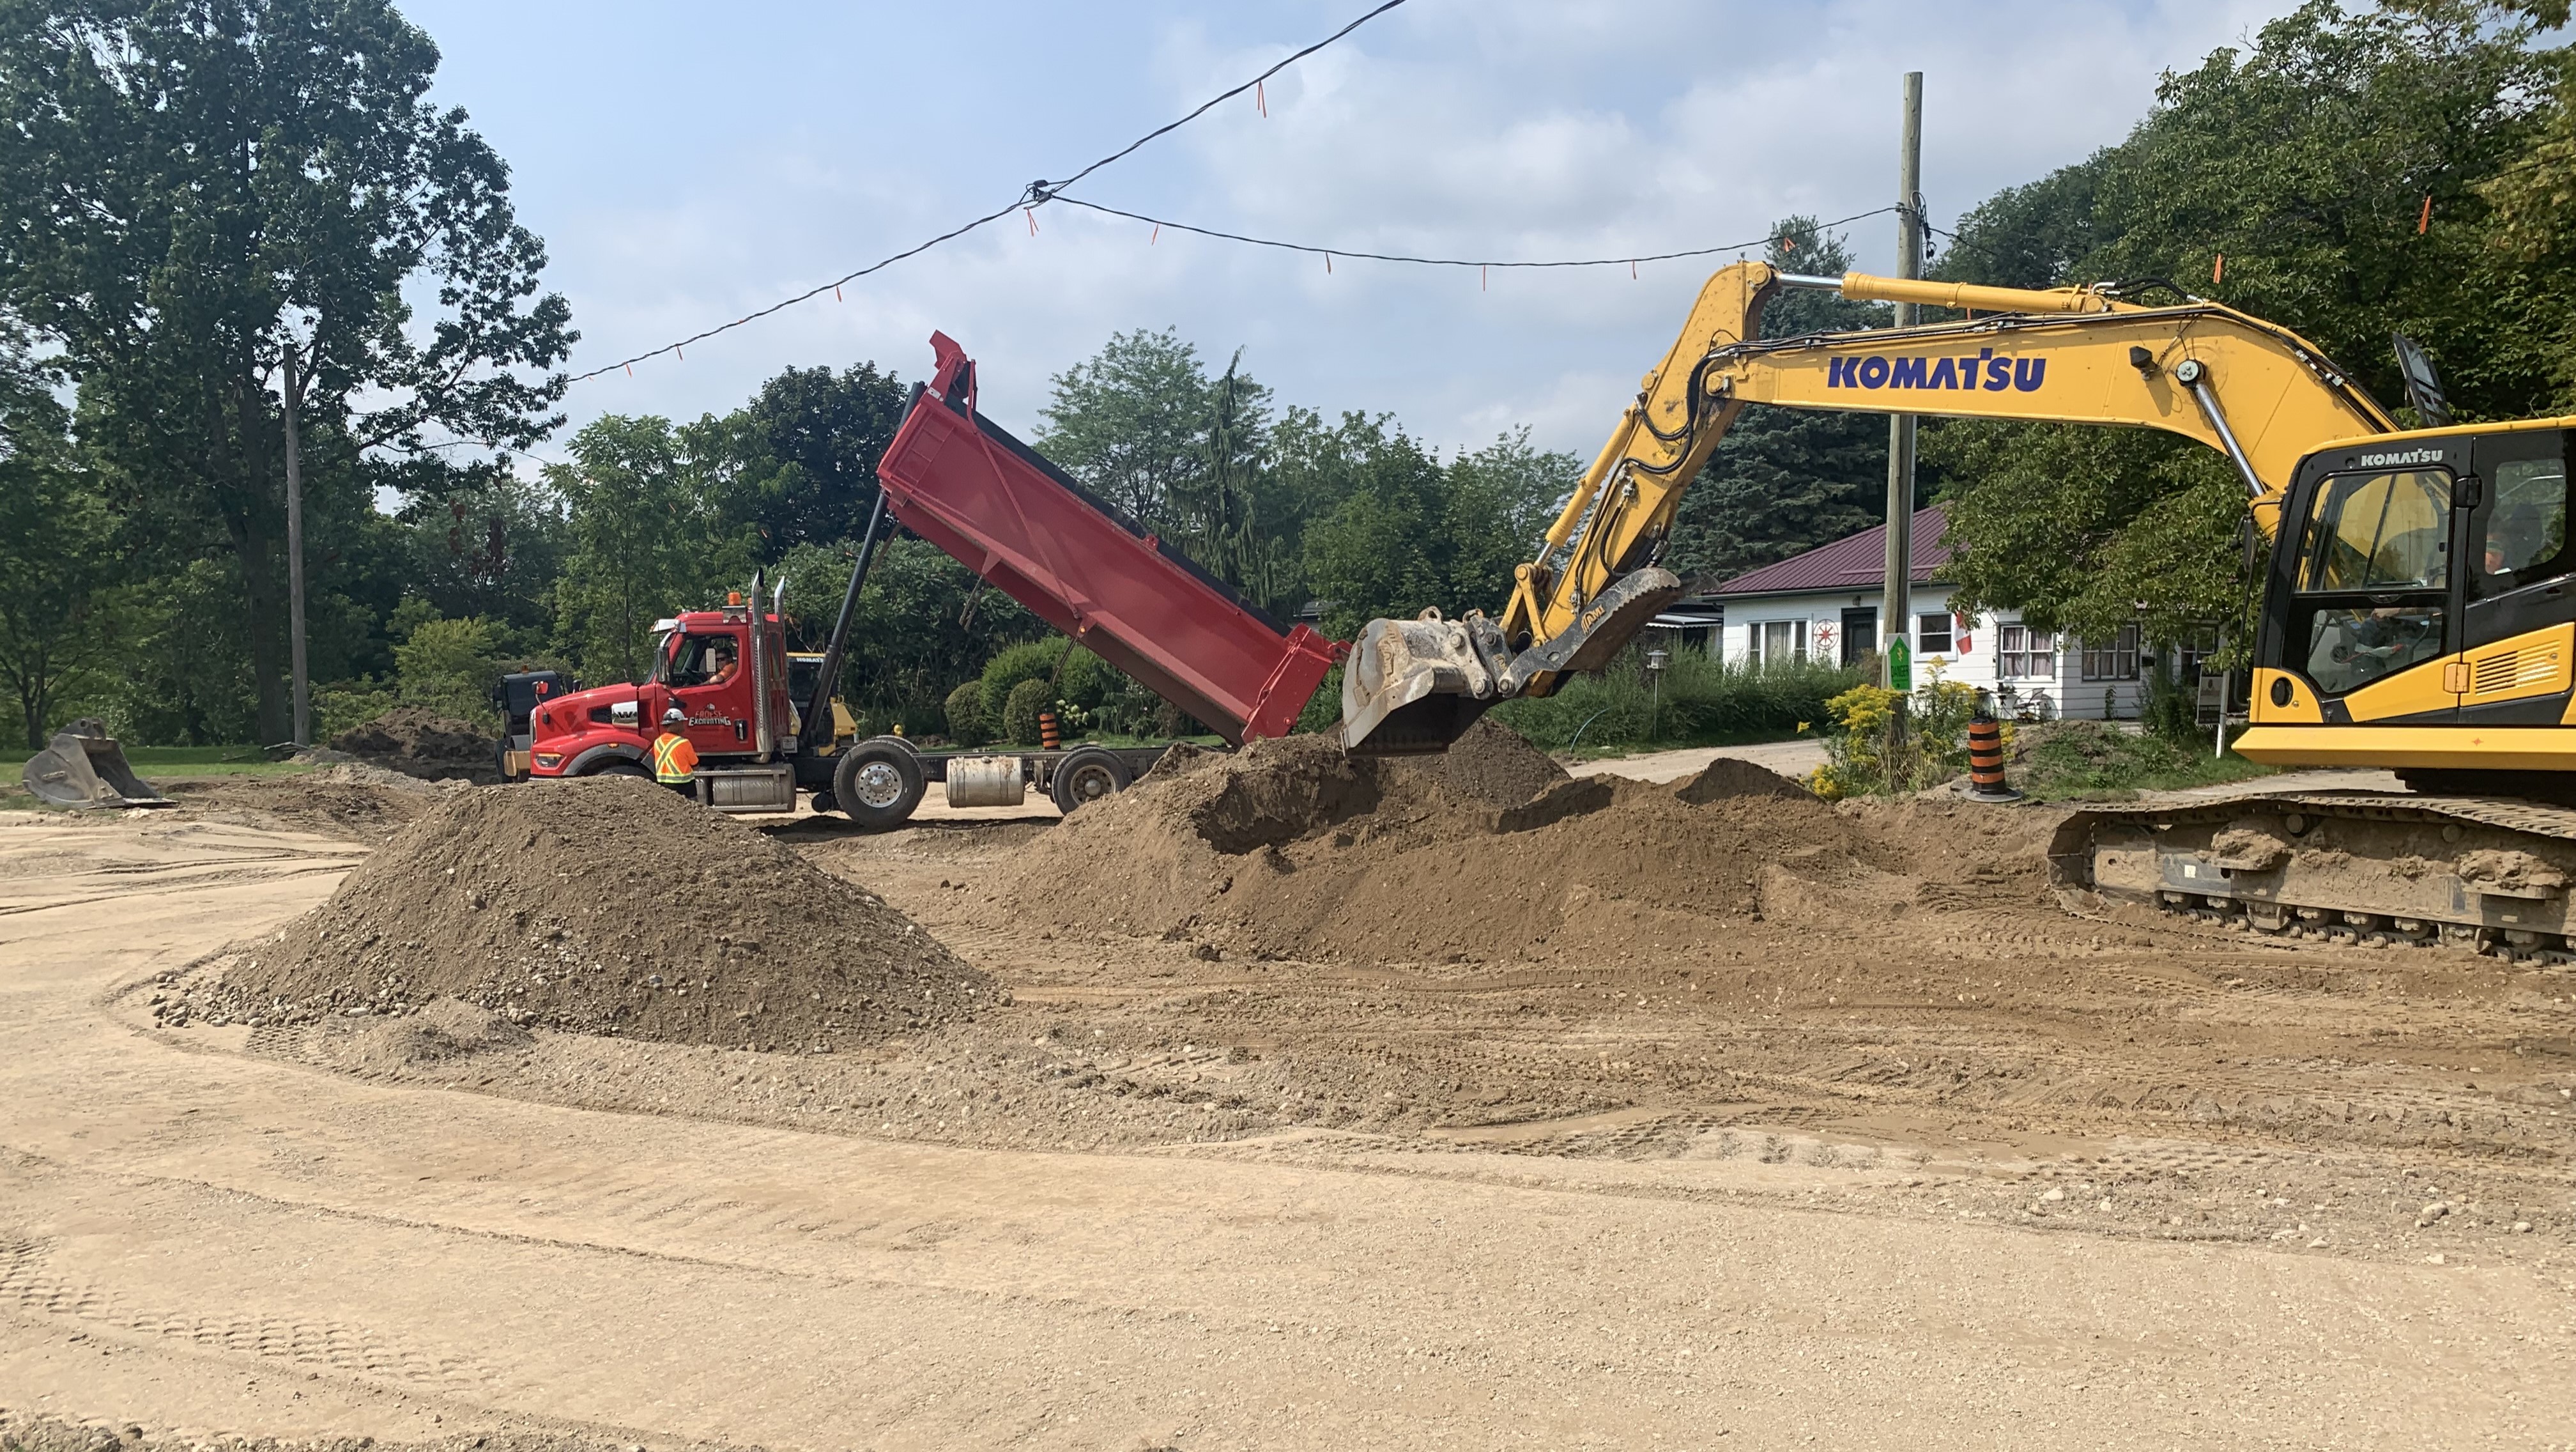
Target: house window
2189, 656
1932, 634
2023, 652
2115, 659
1775, 641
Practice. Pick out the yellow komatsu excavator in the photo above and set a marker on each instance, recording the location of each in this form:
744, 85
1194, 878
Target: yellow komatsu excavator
2416, 616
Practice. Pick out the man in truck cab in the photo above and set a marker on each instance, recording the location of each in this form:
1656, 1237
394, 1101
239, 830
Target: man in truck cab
675, 761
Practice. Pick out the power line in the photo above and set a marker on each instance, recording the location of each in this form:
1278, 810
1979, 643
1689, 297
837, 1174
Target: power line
1034, 194
1345, 252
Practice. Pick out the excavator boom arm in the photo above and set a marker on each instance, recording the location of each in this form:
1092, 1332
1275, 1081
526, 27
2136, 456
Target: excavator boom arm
2258, 393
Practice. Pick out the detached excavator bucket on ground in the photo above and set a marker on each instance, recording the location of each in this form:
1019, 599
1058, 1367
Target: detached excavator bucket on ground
84, 767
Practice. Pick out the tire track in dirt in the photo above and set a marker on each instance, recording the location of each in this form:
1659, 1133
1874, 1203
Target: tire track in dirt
27, 1284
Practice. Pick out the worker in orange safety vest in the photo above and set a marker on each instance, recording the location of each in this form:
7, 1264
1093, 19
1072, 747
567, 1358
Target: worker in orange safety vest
675, 761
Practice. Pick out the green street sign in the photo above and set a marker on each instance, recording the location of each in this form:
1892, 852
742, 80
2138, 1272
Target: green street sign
1900, 665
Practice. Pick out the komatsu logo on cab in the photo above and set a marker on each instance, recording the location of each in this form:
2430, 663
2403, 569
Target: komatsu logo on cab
1978, 370
2399, 460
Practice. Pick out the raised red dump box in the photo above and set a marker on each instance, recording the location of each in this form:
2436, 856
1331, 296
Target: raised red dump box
960, 481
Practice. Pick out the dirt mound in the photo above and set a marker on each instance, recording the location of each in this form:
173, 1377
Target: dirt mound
442, 1029
423, 744
1292, 849
1491, 765
1728, 777
352, 799
608, 906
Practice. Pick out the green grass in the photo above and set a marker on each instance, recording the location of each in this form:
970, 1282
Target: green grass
2080, 761
150, 761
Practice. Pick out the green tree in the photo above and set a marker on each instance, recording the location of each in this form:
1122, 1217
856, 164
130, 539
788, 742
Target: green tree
1394, 531
1131, 421
798, 463
57, 555
645, 544
1785, 480
1225, 515
197, 197
2087, 530
486, 544
2305, 161
924, 623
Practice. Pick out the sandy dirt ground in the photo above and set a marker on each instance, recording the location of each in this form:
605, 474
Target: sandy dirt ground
1788, 758
1914, 1160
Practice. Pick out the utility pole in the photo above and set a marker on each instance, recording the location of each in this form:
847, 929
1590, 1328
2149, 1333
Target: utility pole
1896, 619
295, 559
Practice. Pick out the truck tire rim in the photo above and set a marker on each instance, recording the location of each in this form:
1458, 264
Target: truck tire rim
1092, 782
879, 784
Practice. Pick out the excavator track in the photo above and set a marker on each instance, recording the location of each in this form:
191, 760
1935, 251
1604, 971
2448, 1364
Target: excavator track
2382, 869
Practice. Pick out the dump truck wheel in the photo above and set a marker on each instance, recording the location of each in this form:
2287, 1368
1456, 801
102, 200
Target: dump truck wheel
878, 784
618, 768
1087, 776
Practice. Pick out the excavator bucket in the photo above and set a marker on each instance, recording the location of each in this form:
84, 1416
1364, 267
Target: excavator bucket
84, 767
1414, 686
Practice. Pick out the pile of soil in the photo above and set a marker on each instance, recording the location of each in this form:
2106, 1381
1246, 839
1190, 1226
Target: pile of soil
424, 744
1292, 849
1727, 777
354, 800
608, 906
1493, 766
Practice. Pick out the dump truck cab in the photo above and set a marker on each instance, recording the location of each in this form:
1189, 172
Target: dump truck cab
724, 670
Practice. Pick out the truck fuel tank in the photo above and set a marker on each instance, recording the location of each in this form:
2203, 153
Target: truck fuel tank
986, 781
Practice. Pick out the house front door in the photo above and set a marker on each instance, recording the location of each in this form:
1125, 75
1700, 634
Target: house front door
1860, 635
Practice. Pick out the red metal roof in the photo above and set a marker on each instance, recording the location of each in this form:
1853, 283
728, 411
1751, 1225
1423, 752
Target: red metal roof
1858, 562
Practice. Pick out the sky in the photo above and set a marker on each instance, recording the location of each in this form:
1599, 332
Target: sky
689, 163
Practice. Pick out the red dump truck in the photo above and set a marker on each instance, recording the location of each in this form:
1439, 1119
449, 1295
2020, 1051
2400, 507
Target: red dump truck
957, 479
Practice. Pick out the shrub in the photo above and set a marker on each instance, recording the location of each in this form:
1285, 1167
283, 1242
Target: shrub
1699, 700
1032, 660
1087, 680
2171, 709
1020, 711
343, 704
966, 723
449, 666
1936, 746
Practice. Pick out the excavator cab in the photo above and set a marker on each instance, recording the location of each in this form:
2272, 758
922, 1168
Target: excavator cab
2420, 584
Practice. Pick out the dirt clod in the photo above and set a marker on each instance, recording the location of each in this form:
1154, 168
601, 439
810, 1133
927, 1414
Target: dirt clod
602, 906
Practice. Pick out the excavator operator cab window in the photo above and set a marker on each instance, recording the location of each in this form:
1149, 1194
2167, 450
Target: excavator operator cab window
2380, 542
2524, 533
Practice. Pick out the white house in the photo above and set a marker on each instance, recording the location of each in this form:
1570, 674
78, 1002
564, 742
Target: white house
1824, 604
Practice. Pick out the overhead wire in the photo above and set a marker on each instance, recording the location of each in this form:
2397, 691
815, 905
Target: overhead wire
1347, 253
1030, 196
